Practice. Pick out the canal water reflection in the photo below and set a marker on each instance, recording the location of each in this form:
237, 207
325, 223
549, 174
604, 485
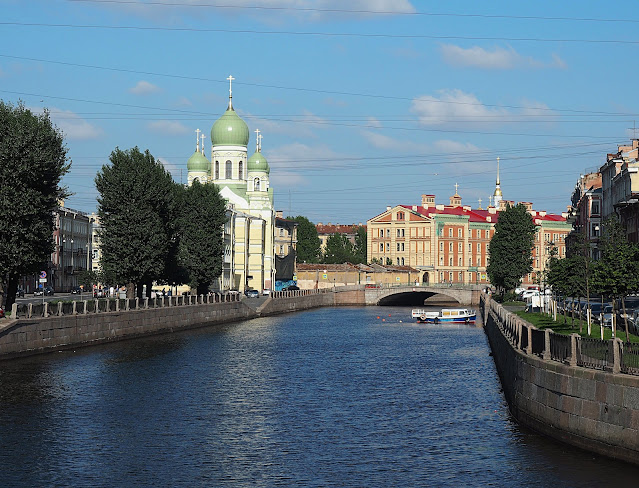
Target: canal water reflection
343, 397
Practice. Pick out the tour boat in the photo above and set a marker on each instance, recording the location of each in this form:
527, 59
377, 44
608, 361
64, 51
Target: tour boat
445, 316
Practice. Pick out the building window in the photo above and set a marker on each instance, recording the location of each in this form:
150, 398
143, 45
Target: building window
397, 261
460, 232
450, 247
388, 247
595, 230
450, 261
387, 232
398, 246
256, 184
470, 247
595, 208
380, 232
402, 246
459, 247
450, 232
217, 170
461, 276
479, 247
460, 261
441, 246
381, 247
403, 232
441, 260
398, 232
229, 170
400, 215
470, 261
402, 261
441, 276
487, 234
241, 171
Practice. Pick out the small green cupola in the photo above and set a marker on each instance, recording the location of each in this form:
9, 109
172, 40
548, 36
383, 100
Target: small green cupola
257, 162
198, 162
230, 129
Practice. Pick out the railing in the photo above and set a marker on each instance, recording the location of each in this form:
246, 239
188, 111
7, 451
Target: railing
609, 355
104, 305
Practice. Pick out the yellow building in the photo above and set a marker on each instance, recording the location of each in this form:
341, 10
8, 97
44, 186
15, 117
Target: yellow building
249, 256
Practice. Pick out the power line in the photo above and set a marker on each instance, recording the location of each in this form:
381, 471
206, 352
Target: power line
321, 34
359, 11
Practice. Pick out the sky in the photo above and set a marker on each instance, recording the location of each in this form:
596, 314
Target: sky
361, 104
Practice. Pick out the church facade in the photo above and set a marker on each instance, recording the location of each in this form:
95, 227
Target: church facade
249, 255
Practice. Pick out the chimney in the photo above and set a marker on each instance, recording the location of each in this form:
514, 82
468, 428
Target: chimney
388, 207
414, 208
279, 213
492, 210
440, 206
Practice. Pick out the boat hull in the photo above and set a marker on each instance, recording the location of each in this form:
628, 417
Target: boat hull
445, 316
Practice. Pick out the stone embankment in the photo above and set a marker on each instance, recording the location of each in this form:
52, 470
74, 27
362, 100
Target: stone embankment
580, 391
48, 327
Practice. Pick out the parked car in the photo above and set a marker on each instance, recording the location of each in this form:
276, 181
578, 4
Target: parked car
606, 320
20, 292
251, 293
1, 312
266, 292
291, 288
76, 290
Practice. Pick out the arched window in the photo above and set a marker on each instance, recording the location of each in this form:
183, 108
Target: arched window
217, 170
229, 170
240, 170
256, 184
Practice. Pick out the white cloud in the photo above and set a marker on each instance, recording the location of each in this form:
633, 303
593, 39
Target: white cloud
72, 125
374, 122
184, 102
144, 88
292, 160
453, 106
305, 125
497, 58
168, 127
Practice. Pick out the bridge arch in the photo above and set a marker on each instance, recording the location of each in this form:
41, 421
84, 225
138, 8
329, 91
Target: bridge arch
415, 295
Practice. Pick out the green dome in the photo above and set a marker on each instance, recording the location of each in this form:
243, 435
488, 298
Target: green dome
229, 130
197, 162
257, 162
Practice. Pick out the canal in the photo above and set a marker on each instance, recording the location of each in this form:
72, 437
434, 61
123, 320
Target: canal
335, 397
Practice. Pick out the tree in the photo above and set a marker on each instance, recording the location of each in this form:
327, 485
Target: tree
338, 249
33, 160
308, 242
360, 248
511, 248
134, 206
201, 246
618, 269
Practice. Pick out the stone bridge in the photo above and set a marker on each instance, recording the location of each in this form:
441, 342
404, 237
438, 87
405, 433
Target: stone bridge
415, 295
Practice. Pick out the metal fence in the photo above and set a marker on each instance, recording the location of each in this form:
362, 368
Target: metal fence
606, 355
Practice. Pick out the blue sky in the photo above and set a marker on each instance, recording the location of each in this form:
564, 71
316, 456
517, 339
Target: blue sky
358, 109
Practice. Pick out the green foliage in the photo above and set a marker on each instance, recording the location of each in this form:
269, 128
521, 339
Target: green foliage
135, 208
33, 160
511, 248
201, 246
338, 249
308, 242
88, 278
359, 250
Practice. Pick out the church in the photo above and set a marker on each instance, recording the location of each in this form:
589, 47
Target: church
249, 233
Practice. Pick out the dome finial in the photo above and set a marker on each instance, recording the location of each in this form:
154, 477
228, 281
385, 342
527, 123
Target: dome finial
259, 143
197, 140
257, 140
202, 137
230, 78
498, 170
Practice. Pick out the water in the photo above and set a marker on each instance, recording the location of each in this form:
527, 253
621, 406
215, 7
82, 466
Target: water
337, 397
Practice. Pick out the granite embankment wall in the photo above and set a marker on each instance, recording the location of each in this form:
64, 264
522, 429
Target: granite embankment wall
596, 410
69, 329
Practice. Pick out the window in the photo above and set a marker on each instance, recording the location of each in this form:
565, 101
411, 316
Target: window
450, 232
595, 230
461, 276
380, 232
595, 208
402, 246
398, 246
281, 249
459, 262
400, 215
459, 247
388, 247
256, 184
460, 232
229, 170
403, 232
397, 261
470, 261
479, 247
450, 261
441, 246
441, 276
240, 171
387, 232
398, 232
450, 247
402, 261
381, 247
441, 260
217, 170
470, 247
487, 234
